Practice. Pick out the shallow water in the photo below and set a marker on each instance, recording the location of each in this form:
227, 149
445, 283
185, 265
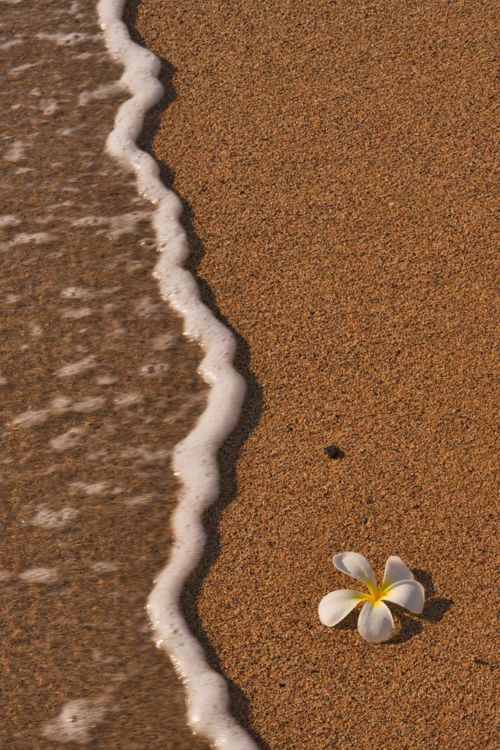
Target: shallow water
98, 384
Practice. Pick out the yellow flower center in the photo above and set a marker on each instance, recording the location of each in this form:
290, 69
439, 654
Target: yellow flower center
376, 594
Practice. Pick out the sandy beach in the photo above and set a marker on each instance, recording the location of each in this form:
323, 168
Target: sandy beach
336, 163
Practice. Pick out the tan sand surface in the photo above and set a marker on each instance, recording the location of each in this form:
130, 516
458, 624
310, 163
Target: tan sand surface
337, 163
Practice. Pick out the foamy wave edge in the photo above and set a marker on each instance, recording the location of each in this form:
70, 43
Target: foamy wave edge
195, 458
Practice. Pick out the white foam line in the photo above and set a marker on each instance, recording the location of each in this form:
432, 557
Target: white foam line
195, 458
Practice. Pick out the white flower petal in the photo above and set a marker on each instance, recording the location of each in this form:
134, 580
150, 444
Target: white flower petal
375, 622
408, 594
356, 566
396, 570
337, 605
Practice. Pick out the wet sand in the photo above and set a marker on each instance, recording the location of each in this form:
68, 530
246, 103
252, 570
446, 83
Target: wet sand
337, 163
97, 385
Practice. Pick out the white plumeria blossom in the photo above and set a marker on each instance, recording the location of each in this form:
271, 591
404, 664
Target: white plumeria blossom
375, 621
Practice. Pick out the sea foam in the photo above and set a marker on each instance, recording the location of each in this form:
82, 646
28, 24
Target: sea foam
194, 459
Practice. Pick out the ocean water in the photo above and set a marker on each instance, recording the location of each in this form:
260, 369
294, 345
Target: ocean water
103, 404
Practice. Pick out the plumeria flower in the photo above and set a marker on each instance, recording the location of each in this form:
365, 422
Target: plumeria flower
375, 621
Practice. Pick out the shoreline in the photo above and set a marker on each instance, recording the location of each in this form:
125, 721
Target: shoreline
194, 459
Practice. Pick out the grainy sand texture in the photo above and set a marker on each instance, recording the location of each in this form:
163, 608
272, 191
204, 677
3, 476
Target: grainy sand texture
337, 164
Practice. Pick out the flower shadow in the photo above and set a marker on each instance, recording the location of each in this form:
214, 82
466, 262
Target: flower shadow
350, 622
434, 610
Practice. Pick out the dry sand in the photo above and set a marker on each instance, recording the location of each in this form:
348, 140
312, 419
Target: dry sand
337, 162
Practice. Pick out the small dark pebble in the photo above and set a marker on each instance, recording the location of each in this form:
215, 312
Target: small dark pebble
483, 663
334, 452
